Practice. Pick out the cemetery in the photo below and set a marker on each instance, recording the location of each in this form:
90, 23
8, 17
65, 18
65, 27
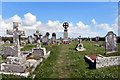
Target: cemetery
54, 58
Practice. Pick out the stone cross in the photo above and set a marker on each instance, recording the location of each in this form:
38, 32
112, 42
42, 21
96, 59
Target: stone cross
16, 33
65, 25
38, 36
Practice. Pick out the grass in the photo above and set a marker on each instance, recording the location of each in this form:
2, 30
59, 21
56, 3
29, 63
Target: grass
65, 62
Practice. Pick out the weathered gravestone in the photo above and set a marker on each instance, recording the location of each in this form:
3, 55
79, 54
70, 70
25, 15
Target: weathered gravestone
13, 50
79, 46
38, 37
53, 38
15, 62
30, 40
45, 39
1, 42
39, 52
7, 42
65, 25
110, 43
97, 39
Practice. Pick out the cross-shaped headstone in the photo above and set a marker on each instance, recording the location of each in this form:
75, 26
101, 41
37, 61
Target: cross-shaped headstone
16, 33
38, 36
65, 25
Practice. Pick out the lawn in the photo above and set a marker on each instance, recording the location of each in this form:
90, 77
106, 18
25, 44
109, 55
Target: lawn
65, 62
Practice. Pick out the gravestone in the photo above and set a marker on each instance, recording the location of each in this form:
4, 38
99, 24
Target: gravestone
53, 38
39, 52
38, 37
16, 61
7, 42
1, 42
45, 39
30, 40
16, 48
110, 43
97, 39
65, 25
79, 46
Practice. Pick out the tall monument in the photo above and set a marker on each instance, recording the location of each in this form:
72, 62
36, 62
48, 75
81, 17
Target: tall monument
65, 25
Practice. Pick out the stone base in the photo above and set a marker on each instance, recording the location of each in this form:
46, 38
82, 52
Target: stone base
30, 63
66, 42
99, 61
17, 74
13, 68
82, 49
111, 52
40, 52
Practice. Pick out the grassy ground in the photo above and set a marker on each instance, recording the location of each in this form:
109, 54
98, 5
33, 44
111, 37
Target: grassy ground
65, 62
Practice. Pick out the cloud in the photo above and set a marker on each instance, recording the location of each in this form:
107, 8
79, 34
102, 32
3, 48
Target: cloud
106, 27
93, 21
30, 25
29, 19
81, 25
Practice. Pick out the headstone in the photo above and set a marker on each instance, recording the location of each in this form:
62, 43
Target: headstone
16, 48
65, 25
110, 43
53, 38
30, 40
90, 39
1, 42
15, 62
45, 39
39, 52
38, 37
79, 46
97, 39
7, 42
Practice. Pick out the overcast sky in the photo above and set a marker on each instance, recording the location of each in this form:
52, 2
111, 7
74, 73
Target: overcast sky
88, 19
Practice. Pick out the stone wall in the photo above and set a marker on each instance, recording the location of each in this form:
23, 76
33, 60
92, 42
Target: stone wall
107, 61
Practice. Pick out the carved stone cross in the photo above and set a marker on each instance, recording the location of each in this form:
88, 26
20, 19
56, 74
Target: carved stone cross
65, 25
16, 33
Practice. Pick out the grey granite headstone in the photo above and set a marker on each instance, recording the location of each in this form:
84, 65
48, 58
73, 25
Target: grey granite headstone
110, 43
97, 39
30, 40
45, 39
38, 52
38, 37
53, 38
7, 42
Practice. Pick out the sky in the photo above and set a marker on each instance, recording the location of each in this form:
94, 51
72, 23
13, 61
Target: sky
88, 19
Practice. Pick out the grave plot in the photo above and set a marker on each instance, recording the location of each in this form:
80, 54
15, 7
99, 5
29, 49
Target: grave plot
16, 63
98, 61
